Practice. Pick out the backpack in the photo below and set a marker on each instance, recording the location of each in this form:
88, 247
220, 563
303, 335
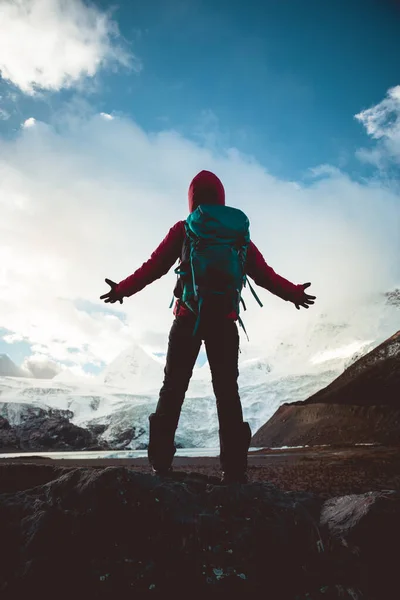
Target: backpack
214, 276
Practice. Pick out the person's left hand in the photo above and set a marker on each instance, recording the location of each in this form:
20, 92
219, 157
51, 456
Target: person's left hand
112, 295
306, 300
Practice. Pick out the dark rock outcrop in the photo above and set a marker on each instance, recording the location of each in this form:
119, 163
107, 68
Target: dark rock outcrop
113, 533
367, 526
43, 430
4, 424
8, 436
393, 297
122, 432
361, 406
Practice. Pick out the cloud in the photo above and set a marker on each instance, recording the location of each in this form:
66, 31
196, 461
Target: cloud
382, 123
41, 367
4, 115
29, 123
91, 198
53, 44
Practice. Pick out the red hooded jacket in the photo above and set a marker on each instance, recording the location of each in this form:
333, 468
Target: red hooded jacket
205, 188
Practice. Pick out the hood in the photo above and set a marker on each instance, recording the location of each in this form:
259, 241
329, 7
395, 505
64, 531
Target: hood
205, 188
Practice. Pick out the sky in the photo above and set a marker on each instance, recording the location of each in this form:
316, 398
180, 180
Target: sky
107, 111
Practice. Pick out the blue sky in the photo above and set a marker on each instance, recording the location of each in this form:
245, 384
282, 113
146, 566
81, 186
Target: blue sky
278, 80
281, 82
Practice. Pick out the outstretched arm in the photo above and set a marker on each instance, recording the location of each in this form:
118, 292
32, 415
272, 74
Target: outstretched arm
158, 264
265, 276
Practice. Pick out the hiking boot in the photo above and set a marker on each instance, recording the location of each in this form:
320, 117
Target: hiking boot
161, 449
228, 478
234, 446
163, 472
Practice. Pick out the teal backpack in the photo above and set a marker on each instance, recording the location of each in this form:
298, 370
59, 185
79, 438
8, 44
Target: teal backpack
218, 239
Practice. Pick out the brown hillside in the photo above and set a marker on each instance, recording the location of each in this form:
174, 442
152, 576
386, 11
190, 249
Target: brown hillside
361, 406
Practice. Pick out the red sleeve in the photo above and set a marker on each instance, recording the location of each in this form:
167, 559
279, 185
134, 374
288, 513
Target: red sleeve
158, 264
265, 276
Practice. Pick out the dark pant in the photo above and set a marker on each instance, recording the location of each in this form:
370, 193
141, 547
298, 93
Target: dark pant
221, 340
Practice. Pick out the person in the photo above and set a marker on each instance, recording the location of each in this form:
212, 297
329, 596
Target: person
220, 336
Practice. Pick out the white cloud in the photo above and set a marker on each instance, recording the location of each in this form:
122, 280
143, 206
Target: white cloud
106, 116
92, 199
4, 115
382, 122
29, 123
40, 366
53, 44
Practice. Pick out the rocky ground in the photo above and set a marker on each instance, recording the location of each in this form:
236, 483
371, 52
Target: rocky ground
311, 524
319, 470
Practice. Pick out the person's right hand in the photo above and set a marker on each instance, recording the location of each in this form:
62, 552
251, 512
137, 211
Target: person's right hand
306, 300
112, 295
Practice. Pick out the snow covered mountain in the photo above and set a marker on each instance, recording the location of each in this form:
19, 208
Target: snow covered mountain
123, 416
8, 368
134, 369
286, 369
119, 402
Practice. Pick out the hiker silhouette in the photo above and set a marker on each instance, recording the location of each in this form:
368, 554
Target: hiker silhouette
216, 257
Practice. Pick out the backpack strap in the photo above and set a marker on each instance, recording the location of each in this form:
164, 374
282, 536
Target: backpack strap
246, 281
178, 272
196, 296
197, 324
243, 327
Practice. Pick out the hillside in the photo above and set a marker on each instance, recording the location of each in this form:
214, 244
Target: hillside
360, 406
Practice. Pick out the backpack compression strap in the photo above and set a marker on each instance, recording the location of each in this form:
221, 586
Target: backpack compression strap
246, 281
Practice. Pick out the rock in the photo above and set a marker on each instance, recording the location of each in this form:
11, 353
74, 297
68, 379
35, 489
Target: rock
361, 406
8, 438
393, 297
4, 423
368, 525
37, 429
112, 532
123, 436
142, 446
97, 428
53, 432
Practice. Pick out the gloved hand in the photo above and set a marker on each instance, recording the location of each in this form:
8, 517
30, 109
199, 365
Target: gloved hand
306, 300
111, 296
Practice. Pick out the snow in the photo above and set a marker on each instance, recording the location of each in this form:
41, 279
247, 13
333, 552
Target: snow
126, 392
119, 409
8, 368
134, 369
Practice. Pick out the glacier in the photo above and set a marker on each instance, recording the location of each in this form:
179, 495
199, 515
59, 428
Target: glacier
118, 402
118, 409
